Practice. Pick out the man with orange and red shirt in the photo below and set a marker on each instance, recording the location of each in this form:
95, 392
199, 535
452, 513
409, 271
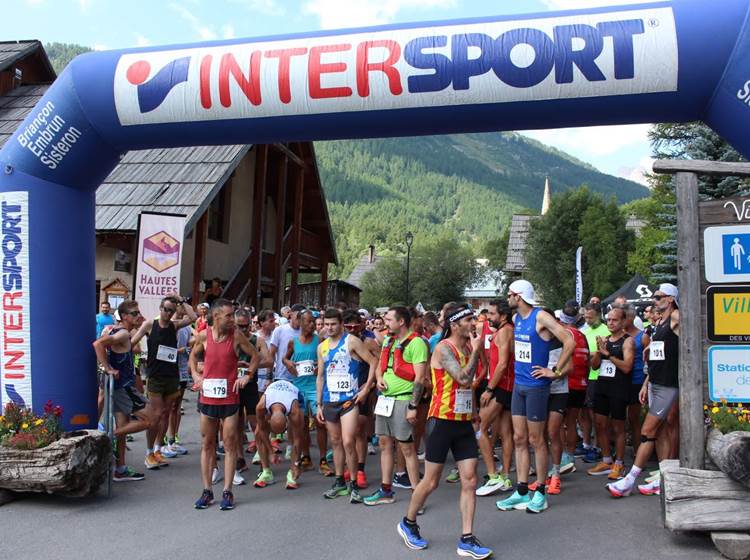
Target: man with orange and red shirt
450, 428
496, 398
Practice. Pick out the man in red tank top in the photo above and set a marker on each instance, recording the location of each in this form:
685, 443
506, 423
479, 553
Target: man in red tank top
219, 397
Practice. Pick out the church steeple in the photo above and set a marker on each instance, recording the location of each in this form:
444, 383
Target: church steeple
547, 196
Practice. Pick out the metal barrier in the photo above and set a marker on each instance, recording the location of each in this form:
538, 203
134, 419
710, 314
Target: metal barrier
109, 425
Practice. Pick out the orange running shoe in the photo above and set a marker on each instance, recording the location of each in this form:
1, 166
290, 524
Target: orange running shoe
347, 478
160, 459
151, 462
553, 485
361, 480
534, 485
618, 472
601, 469
325, 469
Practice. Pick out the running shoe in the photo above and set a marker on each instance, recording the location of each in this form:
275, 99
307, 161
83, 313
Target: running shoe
160, 459
275, 447
380, 497
220, 449
453, 476
151, 462
265, 478
347, 478
580, 450
127, 475
411, 536
402, 481
371, 449
600, 469
241, 465
336, 490
291, 483
618, 471
568, 464
354, 496
651, 489
177, 439
515, 501
325, 469
621, 488
554, 485
593, 455
206, 499
288, 453
362, 480
653, 475
252, 447
227, 501
329, 456
537, 504
216, 476
178, 449
535, 485
471, 547
506, 484
256, 458
492, 485
238, 479
167, 452
306, 463
421, 456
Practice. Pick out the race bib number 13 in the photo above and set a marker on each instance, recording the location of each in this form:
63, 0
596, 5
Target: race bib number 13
607, 369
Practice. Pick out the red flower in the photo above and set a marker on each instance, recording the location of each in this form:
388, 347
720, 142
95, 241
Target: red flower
48, 407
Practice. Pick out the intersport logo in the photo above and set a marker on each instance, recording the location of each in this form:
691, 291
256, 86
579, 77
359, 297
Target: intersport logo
607, 54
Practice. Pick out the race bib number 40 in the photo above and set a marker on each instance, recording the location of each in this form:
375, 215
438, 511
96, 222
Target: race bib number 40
656, 351
166, 354
215, 388
523, 352
607, 369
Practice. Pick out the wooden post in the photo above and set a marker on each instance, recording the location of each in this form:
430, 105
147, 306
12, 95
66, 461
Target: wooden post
199, 237
256, 241
692, 431
278, 273
299, 192
323, 280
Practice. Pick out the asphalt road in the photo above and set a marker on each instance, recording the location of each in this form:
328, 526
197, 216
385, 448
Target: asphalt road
155, 519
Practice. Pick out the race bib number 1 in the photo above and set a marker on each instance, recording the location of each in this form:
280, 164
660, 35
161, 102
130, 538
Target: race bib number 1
464, 402
523, 352
166, 354
384, 406
215, 388
607, 369
656, 351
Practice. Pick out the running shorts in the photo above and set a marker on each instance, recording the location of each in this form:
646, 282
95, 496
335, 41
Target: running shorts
661, 399
442, 436
502, 397
558, 402
218, 411
530, 402
332, 412
635, 390
128, 400
163, 386
249, 398
577, 398
614, 407
395, 425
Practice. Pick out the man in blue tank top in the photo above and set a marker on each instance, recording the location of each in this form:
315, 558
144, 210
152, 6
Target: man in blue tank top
534, 330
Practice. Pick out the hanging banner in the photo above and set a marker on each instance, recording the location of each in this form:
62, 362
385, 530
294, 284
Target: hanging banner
157, 274
15, 327
579, 276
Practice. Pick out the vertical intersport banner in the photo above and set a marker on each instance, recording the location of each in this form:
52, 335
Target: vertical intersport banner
157, 270
15, 326
579, 276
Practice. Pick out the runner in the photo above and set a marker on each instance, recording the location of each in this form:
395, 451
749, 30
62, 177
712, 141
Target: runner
594, 328
172, 439
114, 354
161, 368
534, 330
220, 399
301, 360
496, 399
338, 392
453, 367
641, 340
401, 378
280, 401
660, 388
614, 360
266, 327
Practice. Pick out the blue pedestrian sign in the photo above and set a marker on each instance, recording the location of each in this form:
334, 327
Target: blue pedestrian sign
726, 252
736, 253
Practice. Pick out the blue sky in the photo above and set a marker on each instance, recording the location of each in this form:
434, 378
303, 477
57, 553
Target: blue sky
112, 24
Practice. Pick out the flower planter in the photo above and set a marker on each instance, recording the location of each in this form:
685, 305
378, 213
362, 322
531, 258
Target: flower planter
73, 466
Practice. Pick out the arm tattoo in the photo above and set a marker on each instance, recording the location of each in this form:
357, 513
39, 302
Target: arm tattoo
416, 394
451, 365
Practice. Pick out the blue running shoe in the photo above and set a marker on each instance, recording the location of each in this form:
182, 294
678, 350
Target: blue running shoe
227, 501
537, 504
205, 500
471, 547
516, 501
593, 455
580, 450
411, 536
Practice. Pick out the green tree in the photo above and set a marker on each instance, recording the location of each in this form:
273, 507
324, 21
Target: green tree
496, 251
60, 54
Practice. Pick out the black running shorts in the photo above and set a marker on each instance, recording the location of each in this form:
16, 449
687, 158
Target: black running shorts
449, 435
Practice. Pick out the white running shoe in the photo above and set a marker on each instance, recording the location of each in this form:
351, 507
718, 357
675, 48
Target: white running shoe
651, 489
167, 452
371, 449
216, 476
178, 449
238, 480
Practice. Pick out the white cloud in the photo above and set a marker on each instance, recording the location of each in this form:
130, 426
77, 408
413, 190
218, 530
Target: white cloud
204, 32
227, 32
637, 173
335, 14
100, 47
596, 141
142, 41
576, 4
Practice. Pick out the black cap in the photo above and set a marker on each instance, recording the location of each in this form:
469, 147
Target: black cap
571, 307
298, 307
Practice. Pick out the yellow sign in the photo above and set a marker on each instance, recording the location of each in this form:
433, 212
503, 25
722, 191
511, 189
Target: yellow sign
728, 313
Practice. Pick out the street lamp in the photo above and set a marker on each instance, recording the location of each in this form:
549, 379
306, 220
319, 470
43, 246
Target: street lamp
409, 241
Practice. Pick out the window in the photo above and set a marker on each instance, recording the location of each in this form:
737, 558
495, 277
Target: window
218, 215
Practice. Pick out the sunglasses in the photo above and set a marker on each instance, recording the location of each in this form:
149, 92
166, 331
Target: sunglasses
243, 326
658, 297
133, 313
351, 327
170, 309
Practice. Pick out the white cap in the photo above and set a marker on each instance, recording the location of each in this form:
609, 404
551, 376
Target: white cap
364, 313
525, 290
669, 290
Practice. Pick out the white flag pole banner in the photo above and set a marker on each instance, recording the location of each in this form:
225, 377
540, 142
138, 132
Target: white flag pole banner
579, 276
15, 326
157, 269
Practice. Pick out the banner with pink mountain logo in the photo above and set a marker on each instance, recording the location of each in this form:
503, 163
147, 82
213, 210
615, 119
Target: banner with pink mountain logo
160, 241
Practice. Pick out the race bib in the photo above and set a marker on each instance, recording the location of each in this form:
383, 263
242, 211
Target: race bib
305, 368
607, 369
166, 354
464, 401
656, 351
523, 352
338, 378
487, 341
384, 406
215, 388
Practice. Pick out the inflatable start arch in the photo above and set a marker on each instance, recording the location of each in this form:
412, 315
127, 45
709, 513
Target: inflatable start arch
653, 62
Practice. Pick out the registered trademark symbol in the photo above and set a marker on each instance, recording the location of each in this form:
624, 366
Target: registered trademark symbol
653, 22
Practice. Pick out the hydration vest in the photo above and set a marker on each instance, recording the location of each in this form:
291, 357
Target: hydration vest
401, 368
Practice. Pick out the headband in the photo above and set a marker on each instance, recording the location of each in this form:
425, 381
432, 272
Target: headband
458, 315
